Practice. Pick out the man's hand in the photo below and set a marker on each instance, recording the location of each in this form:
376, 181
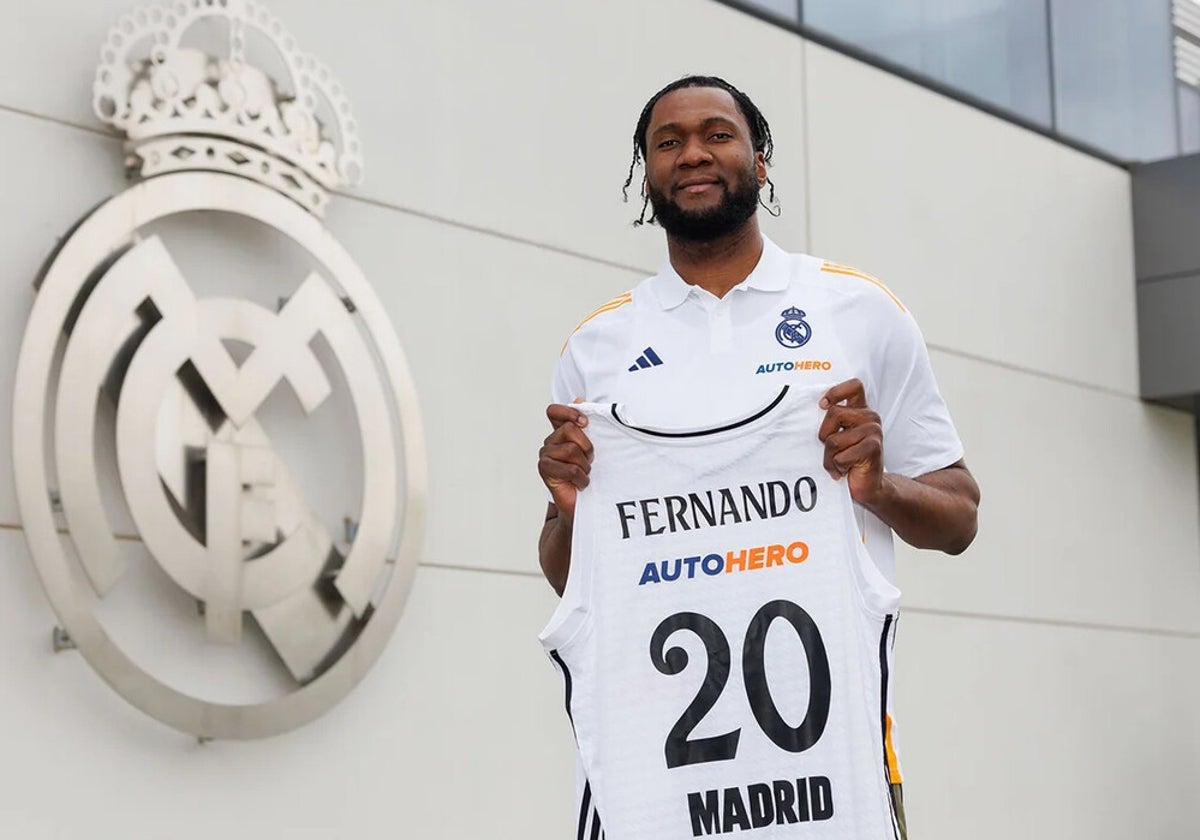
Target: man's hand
565, 458
938, 510
564, 462
853, 438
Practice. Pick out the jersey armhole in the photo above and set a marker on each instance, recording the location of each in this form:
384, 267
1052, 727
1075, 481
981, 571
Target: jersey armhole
878, 596
572, 614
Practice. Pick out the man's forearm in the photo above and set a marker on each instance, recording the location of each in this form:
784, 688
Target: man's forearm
554, 548
936, 511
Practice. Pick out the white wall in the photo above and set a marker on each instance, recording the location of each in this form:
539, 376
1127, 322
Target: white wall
1042, 670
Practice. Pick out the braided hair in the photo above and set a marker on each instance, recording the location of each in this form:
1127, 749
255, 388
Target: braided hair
760, 135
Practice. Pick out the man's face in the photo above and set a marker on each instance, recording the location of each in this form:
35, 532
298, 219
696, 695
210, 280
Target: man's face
702, 173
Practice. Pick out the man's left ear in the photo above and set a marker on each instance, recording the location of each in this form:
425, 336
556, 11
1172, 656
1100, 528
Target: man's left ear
760, 168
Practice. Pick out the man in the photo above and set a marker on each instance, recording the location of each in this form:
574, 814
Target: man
730, 318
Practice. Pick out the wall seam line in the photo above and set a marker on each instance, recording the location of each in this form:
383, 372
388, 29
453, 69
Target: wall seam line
377, 202
90, 129
508, 237
1041, 374
1170, 275
1014, 619
1054, 622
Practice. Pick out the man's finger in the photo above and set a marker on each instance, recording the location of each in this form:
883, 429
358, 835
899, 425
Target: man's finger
565, 453
560, 414
829, 465
559, 472
570, 433
837, 444
829, 425
864, 452
841, 417
848, 437
851, 392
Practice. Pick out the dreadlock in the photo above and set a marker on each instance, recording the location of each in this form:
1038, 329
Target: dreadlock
760, 136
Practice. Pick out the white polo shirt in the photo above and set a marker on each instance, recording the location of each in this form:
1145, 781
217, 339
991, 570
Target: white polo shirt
676, 357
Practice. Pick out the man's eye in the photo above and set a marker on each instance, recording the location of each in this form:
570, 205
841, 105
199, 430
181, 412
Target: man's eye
666, 144
722, 135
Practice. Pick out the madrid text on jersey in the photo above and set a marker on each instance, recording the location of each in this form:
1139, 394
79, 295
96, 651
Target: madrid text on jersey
716, 508
779, 803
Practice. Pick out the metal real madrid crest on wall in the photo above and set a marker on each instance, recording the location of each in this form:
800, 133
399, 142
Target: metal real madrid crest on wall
208, 386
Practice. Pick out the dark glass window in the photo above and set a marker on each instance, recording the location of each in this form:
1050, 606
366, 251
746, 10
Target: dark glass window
995, 50
1099, 72
1114, 75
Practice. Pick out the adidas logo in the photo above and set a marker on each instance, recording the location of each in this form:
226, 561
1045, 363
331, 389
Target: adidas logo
648, 359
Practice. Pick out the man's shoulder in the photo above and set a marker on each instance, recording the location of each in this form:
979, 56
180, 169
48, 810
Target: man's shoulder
858, 287
612, 314
835, 278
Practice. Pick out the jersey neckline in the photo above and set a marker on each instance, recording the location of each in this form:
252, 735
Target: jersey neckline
696, 434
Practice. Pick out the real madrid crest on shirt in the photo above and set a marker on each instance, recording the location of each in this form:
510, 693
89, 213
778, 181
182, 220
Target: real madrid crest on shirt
793, 331
196, 428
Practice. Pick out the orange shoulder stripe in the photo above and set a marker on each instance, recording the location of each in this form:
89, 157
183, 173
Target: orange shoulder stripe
837, 268
615, 303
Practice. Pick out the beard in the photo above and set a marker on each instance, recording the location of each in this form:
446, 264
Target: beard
738, 204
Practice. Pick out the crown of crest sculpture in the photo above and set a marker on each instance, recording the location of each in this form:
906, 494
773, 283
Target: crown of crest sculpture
184, 109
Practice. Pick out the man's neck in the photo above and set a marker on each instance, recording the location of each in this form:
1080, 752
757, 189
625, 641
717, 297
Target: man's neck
720, 264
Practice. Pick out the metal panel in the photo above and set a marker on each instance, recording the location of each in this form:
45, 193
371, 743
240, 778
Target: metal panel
1166, 215
1168, 338
1166, 209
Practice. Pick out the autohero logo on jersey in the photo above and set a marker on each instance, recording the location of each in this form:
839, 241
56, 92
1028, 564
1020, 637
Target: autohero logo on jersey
672, 514
798, 367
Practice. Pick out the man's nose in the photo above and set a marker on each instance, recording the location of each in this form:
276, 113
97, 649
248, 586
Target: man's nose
694, 152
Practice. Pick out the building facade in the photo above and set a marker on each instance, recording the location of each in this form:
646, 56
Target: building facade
1046, 680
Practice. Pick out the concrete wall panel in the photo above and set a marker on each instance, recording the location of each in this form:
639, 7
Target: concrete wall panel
1089, 505
482, 320
1005, 244
458, 731
1011, 729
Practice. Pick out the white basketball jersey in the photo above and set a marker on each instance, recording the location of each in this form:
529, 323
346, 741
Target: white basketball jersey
724, 639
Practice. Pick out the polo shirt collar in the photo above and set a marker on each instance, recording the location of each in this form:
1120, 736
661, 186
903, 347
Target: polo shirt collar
769, 275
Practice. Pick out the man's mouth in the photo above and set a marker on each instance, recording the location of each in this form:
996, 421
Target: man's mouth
697, 186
